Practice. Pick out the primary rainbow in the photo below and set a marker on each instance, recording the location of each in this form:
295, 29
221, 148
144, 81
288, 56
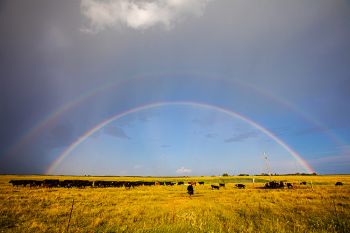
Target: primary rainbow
51, 118
81, 139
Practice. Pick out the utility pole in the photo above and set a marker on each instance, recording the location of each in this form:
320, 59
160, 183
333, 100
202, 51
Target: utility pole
267, 165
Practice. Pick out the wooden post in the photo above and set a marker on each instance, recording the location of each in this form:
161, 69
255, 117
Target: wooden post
70, 215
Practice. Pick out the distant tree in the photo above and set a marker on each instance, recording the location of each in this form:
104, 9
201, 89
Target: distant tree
225, 174
243, 174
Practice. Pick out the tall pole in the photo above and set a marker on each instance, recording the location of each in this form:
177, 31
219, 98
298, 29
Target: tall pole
267, 165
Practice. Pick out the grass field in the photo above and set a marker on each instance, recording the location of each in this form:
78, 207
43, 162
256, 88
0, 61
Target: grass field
320, 207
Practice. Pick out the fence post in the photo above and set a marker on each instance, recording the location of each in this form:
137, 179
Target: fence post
70, 215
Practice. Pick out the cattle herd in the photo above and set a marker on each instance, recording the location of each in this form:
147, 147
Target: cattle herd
50, 183
55, 183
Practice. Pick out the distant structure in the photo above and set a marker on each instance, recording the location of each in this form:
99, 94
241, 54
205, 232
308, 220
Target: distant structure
268, 168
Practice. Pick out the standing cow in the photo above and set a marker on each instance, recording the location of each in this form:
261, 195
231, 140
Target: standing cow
240, 186
190, 190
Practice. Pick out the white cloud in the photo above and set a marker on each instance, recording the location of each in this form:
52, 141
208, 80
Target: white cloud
183, 170
142, 14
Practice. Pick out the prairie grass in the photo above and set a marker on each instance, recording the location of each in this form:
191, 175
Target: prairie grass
320, 207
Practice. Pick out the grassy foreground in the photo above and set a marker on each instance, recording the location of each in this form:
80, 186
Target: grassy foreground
320, 207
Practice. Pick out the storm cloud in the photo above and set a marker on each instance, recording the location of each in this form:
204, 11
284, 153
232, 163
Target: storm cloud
74, 64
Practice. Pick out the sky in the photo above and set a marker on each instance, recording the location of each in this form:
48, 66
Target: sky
174, 87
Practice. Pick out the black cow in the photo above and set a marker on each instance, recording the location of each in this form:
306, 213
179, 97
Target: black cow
129, 185
119, 184
168, 183
30, 183
190, 189
180, 183
107, 183
215, 187
240, 186
201, 182
137, 183
289, 185
50, 183
303, 183
89, 183
222, 185
274, 185
66, 183
338, 183
83, 183
20, 182
15, 183
36, 183
98, 183
24, 183
147, 183
80, 183
281, 184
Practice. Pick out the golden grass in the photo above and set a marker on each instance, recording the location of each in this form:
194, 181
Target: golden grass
322, 207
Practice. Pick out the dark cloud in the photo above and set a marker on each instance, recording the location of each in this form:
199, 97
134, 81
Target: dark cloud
116, 132
282, 130
204, 121
311, 130
296, 50
61, 135
143, 117
210, 135
242, 136
332, 164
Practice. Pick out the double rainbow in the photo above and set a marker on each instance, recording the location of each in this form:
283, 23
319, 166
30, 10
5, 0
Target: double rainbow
230, 113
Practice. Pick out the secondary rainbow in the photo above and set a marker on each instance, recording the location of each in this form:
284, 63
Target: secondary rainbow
81, 139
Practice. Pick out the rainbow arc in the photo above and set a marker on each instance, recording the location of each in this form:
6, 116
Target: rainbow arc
51, 169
